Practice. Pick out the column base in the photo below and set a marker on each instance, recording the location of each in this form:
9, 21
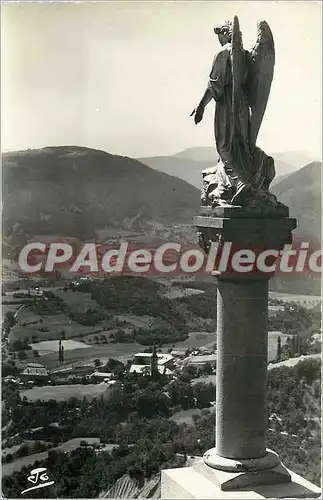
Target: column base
246, 474
268, 461
201, 481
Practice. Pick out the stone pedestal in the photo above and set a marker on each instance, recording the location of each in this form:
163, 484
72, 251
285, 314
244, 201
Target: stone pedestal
201, 481
240, 457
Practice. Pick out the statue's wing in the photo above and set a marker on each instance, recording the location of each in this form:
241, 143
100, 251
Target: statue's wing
260, 77
238, 68
239, 148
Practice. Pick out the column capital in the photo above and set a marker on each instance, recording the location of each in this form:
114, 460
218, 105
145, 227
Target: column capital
235, 230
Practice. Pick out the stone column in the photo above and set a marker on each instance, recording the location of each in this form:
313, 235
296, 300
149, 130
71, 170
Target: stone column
242, 334
242, 345
240, 459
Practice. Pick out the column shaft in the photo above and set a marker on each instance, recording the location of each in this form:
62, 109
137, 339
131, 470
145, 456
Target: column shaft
242, 343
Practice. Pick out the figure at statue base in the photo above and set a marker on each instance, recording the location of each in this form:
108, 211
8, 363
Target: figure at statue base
223, 190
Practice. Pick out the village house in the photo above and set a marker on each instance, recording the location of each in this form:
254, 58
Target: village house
202, 360
142, 363
34, 372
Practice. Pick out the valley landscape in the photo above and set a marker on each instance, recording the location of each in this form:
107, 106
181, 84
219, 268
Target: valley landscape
140, 331
103, 323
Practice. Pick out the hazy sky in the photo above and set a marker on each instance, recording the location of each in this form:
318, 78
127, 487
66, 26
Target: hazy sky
124, 76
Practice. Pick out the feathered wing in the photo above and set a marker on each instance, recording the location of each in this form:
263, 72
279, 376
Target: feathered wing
238, 68
261, 72
240, 150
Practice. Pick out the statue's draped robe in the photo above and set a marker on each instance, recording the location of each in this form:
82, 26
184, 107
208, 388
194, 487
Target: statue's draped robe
235, 160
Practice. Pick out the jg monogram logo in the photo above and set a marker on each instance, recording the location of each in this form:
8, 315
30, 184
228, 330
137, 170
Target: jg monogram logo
39, 478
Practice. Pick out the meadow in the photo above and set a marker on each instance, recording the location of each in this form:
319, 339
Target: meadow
65, 392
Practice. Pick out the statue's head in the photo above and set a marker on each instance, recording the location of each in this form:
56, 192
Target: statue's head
224, 32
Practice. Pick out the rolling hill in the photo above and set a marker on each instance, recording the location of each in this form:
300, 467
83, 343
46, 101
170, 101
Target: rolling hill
84, 193
205, 154
301, 192
185, 169
189, 163
76, 191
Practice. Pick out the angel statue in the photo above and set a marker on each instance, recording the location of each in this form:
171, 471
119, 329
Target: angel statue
239, 83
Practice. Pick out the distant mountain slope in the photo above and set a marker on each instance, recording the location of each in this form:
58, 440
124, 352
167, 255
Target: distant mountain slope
206, 153
186, 169
297, 159
301, 192
189, 163
278, 179
75, 191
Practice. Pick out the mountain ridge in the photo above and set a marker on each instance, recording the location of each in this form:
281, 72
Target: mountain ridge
74, 191
65, 189
189, 163
301, 192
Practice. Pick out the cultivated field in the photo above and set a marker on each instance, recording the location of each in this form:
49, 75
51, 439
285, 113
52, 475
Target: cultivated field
307, 301
48, 346
195, 340
55, 324
123, 351
9, 308
72, 444
136, 321
104, 352
294, 361
178, 293
64, 392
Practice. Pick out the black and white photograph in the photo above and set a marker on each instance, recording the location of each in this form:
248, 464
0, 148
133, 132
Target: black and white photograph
161, 300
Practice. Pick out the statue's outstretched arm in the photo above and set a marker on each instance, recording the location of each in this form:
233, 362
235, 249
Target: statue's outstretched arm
199, 111
207, 96
218, 74
215, 86
217, 79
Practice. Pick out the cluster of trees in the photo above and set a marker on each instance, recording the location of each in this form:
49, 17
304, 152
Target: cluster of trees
300, 323
158, 336
137, 417
49, 303
144, 448
113, 366
136, 395
295, 320
294, 392
8, 322
89, 318
296, 346
152, 335
203, 305
85, 474
138, 296
18, 349
19, 345
294, 395
100, 340
9, 368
